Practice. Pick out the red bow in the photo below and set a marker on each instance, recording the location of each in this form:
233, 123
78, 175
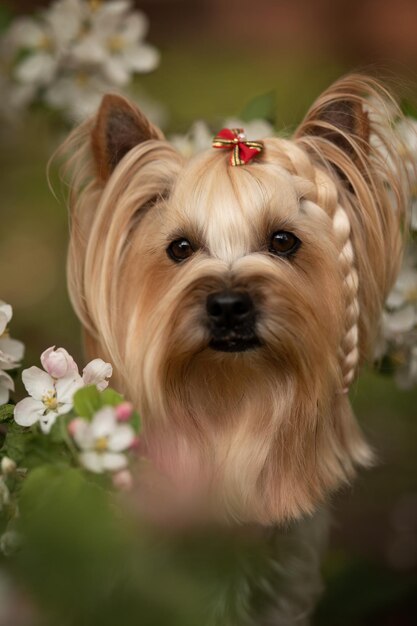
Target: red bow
235, 139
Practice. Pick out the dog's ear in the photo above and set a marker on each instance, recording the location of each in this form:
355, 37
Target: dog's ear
119, 126
343, 122
339, 117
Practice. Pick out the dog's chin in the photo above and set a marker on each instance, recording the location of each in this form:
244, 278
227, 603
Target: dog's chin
235, 343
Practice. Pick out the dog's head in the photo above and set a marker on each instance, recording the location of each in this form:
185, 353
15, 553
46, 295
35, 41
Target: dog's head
236, 303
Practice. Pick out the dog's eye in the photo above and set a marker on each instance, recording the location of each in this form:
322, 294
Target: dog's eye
284, 243
180, 249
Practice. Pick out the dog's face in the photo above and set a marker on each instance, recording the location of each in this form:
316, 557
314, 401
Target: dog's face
234, 271
221, 294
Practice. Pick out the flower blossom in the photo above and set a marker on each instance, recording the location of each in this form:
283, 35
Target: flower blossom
199, 137
11, 352
74, 51
51, 390
398, 333
103, 441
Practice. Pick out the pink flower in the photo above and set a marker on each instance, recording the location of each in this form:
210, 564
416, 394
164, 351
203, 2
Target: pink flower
123, 480
124, 411
96, 373
58, 363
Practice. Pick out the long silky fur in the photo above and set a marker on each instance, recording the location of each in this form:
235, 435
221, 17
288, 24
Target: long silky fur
268, 433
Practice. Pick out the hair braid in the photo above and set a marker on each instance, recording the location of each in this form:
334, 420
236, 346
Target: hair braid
319, 188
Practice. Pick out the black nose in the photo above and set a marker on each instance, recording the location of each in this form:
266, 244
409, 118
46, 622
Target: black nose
230, 309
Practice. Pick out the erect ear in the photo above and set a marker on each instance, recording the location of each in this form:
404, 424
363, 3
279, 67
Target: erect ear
119, 127
339, 117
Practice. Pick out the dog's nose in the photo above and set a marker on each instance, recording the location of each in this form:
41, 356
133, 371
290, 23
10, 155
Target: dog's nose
230, 309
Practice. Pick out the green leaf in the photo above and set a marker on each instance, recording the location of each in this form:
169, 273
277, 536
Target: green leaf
87, 401
16, 441
6, 412
136, 422
261, 107
110, 397
409, 108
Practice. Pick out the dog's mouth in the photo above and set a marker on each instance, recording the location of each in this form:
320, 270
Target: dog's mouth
233, 342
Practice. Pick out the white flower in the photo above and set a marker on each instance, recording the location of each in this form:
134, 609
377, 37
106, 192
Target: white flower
6, 385
78, 94
406, 375
8, 466
115, 43
11, 350
52, 390
50, 397
405, 289
96, 373
11, 353
398, 323
4, 494
102, 441
75, 51
200, 137
197, 139
255, 129
10, 541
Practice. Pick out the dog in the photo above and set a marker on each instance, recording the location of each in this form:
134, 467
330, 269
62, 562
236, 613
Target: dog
237, 304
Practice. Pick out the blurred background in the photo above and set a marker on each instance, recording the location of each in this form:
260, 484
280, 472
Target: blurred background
216, 56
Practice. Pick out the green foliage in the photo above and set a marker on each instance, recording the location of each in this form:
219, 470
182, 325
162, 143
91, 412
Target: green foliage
110, 397
87, 401
89, 562
6, 412
261, 107
409, 108
5, 18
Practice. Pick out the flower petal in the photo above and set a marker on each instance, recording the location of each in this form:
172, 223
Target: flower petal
38, 68
6, 381
4, 394
6, 385
117, 71
96, 372
58, 363
82, 433
28, 411
47, 421
12, 352
6, 314
142, 58
400, 321
104, 422
37, 382
26, 33
135, 27
113, 461
122, 438
92, 461
67, 386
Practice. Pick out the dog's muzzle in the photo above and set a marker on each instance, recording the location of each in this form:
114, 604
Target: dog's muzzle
231, 317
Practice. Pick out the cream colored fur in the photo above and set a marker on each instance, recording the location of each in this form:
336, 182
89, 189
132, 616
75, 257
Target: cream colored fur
268, 433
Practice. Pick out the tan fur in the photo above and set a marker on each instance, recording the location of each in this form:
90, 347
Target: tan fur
268, 432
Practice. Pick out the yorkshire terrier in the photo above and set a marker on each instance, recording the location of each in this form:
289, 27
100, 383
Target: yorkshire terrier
237, 294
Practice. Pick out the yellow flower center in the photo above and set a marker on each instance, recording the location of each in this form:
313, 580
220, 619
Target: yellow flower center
45, 43
50, 401
411, 294
81, 79
115, 43
95, 4
101, 444
399, 357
